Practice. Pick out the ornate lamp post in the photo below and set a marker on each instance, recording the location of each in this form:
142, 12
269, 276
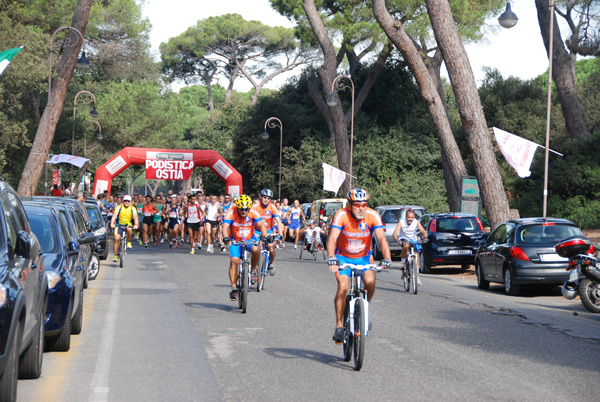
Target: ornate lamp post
82, 63
332, 101
93, 113
508, 20
271, 123
99, 137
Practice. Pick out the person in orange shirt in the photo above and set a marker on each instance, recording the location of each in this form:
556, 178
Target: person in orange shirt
350, 242
240, 223
270, 217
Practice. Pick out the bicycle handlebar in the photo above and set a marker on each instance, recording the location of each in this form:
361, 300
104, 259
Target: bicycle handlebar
245, 243
356, 267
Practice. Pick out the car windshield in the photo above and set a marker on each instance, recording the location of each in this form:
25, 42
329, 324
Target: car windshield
329, 207
457, 224
394, 215
546, 234
45, 232
93, 214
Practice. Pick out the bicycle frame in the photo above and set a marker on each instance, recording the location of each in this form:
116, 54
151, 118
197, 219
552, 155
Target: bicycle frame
357, 291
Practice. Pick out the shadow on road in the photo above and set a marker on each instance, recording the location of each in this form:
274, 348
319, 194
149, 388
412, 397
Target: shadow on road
217, 306
291, 353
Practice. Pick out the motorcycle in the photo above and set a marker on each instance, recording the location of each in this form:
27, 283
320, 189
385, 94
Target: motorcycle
584, 278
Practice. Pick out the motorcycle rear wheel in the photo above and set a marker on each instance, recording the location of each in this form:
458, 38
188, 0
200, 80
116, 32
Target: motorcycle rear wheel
589, 292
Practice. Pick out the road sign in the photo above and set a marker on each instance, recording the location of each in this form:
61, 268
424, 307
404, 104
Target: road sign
470, 201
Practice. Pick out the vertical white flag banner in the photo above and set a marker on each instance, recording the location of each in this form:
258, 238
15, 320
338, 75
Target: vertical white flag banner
517, 151
332, 178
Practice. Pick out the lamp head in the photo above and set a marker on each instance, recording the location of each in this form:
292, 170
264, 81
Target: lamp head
508, 19
265, 135
99, 136
94, 113
332, 101
82, 63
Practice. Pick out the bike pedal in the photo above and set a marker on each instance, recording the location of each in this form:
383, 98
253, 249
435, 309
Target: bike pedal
338, 343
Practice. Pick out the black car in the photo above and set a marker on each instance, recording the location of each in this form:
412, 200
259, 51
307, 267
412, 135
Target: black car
65, 272
23, 295
97, 225
453, 239
521, 252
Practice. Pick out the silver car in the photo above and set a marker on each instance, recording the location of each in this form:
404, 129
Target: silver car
390, 215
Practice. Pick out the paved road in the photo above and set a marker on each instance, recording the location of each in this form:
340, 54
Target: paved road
163, 328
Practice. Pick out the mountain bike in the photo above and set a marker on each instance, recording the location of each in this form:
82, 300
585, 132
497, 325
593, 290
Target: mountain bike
264, 263
243, 272
356, 315
410, 277
122, 243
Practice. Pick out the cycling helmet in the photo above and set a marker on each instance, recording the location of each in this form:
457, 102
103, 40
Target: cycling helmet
357, 195
243, 202
569, 290
267, 193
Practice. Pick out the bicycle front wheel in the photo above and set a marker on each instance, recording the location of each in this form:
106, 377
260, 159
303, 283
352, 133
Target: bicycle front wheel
413, 275
122, 247
359, 333
240, 285
262, 271
244, 293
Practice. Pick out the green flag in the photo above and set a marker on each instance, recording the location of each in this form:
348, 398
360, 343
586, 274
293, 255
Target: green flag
6, 56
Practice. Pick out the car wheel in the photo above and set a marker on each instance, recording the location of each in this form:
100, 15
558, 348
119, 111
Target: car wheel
425, 267
94, 267
376, 252
77, 323
481, 282
509, 285
30, 365
8, 380
62, 342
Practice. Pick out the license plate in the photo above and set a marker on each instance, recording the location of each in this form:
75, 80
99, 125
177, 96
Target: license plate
459, 252
552, 257
573, 275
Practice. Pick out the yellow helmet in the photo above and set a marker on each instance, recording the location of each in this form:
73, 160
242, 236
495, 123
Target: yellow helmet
243, 202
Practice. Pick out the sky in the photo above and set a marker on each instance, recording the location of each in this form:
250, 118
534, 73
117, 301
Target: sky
518, 51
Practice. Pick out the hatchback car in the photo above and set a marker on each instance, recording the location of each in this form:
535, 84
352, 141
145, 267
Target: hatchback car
390, 215
453, 239
521, 252
321, 210
96, 224
64, 313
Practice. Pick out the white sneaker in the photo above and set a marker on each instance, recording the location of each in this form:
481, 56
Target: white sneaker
295, 247
210, 248
162, 239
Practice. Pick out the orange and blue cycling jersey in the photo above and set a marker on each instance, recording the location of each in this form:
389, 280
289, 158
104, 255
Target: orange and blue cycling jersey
241, 229
354, 242
268, 215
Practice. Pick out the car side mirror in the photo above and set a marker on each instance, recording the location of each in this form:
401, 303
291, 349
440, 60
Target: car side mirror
87, 238
73, 247
89, 226
23, 248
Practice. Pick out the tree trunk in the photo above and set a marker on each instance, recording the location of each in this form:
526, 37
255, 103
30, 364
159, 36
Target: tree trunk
211, 102
471, 113
562, 74
34, 166
451, 158
327, 74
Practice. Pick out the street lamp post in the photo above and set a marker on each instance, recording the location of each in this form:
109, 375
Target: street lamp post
507, 20
93, 113
99, 137
82, 63
332, 101
271, 123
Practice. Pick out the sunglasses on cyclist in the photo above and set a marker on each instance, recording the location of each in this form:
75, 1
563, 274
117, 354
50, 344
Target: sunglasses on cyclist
360, 206
265, 197
243, 209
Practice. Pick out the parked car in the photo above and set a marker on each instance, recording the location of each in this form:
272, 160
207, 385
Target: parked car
321, 210
65, 272
78, 219
521, 252
390, 215
97, 225
306, 210
453, 239
23, 295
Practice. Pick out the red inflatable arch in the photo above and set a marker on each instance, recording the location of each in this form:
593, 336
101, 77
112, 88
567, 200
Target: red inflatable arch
138, 156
